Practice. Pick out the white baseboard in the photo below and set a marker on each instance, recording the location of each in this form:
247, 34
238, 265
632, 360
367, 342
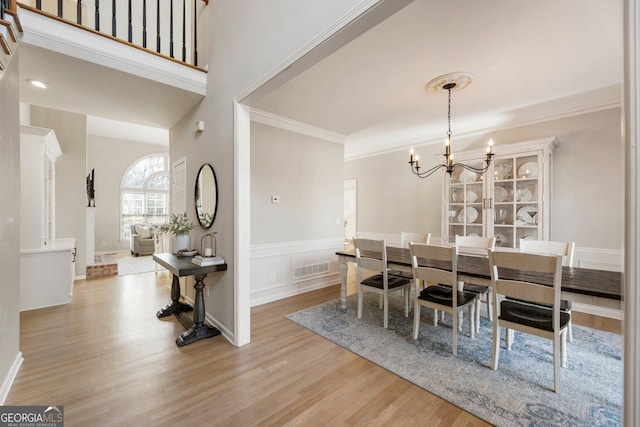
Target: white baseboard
10, 378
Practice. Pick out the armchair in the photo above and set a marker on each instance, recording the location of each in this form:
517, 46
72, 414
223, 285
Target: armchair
142, 241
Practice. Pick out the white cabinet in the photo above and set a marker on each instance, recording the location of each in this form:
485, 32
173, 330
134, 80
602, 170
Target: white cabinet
46, 263
46, 274
511, 201
39, 150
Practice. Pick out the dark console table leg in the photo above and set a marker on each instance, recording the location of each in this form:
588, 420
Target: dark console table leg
176, 305
199, 330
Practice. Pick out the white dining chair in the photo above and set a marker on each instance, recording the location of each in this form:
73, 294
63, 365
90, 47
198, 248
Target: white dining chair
478, 246
371, 255
436, 288
527, 306
550, 247
407, 237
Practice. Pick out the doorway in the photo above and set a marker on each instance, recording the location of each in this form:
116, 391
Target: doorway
350, 209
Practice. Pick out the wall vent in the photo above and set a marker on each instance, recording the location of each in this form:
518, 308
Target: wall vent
310, 270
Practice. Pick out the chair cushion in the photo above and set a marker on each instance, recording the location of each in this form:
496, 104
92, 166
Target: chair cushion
377, 281
565, 305
476, 289
442, 295
143, 232
532, 315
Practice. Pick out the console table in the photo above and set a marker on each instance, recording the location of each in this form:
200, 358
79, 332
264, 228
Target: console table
180, 267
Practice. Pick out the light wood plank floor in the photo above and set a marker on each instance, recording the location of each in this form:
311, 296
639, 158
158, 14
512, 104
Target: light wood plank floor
109, 361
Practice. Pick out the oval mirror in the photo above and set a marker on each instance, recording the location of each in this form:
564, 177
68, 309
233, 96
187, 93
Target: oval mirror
206, 196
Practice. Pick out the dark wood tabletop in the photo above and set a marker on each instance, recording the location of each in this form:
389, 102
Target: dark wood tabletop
586, 281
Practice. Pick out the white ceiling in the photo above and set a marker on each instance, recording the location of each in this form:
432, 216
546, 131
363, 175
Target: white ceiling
530, 60
120, 105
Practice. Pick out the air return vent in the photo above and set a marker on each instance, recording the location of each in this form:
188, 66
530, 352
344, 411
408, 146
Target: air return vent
310, 270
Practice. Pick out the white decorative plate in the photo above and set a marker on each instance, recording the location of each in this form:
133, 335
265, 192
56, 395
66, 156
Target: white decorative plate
523, 215
529, 238
467, 176
501, 239
501, 194
468, 215
528, 170
471, 196
473, 235
523, 195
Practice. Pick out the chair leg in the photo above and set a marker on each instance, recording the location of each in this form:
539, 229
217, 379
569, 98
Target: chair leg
496, 346
472, 321
556, 362
380, 302
490, 305
435, 317
454, 330
509, 338
570, 328
563, 348
386, 310
416, 319
478, 304
460, 321
407, 294
360, 301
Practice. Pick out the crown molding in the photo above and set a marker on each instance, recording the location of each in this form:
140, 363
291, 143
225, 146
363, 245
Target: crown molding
575, 105
285, 123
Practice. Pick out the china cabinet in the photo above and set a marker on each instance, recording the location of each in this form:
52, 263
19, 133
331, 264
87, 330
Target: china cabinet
511, 201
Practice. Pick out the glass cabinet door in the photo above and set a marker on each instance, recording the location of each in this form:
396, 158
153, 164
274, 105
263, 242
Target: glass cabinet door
516, 199
465, 196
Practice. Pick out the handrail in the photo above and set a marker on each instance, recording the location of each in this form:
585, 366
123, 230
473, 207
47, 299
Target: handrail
88, 17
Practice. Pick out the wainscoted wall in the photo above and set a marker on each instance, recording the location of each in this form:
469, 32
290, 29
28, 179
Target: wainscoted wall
280, 270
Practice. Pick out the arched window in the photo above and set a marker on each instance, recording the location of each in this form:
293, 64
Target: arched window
144, 193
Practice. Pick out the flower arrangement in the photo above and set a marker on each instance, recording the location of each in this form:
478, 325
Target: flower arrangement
178, 224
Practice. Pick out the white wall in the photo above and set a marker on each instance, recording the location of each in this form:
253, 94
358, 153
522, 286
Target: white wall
293, 242
247, 40
10, 356
110, 158
587, 205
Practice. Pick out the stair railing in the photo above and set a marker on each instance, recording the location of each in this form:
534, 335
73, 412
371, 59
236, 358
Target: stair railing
132, 20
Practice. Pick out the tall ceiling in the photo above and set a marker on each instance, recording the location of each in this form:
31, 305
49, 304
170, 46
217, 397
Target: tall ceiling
529, 59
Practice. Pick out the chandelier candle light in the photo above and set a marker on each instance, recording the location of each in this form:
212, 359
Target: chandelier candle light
449, 82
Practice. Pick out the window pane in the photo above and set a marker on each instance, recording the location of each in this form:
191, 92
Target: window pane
160, 182
142, 170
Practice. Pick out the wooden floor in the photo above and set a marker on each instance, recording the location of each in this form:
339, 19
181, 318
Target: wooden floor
109, 361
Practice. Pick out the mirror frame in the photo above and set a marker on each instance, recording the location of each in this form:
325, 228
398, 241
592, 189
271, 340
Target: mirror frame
196, 196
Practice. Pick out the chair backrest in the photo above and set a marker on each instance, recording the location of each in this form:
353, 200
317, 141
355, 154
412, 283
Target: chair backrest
525, 287
443, 261
475, 244
371, 254
407, 237
550, 248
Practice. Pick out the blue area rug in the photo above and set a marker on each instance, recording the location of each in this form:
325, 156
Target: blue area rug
519, 393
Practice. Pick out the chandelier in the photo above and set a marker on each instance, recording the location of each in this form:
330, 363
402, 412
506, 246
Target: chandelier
449, 82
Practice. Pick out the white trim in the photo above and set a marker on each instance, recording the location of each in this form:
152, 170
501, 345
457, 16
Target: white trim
242, 223
283, 290
631, 132
285, 248
291, 125
10, 378
53, 35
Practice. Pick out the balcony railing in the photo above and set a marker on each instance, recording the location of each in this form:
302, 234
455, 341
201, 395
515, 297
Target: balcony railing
166, 27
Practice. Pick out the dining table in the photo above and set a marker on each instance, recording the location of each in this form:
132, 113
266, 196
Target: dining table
588, 286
